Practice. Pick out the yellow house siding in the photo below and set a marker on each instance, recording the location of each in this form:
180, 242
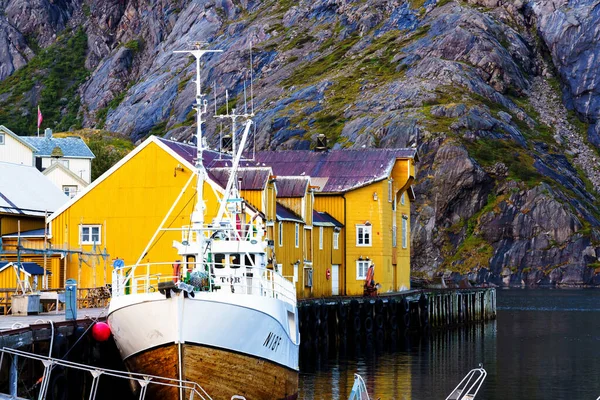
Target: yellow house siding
322, 261
293, 203
334, 205
288, 254
362, 207
255, 198
10, 223
403, 254
130, 205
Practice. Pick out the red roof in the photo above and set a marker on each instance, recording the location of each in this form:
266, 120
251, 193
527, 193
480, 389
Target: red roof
252, 178
335, 170
292, 186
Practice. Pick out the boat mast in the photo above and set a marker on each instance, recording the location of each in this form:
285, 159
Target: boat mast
200, 106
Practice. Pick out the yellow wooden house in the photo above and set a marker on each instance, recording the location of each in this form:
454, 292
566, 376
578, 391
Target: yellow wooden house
128, 210
369, 192
329, 215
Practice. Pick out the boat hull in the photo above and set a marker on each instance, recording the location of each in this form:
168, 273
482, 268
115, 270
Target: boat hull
229, 345
220, 373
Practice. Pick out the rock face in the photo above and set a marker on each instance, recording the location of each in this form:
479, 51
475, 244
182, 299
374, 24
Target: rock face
500, 97
14, 52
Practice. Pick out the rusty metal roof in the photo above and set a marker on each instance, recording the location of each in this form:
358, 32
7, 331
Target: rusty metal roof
324, 219
285, 214
252, 178
292, 186
335, 170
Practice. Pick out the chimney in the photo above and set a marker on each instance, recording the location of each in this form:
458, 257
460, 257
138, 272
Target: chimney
226, 144
48, 133
321, 143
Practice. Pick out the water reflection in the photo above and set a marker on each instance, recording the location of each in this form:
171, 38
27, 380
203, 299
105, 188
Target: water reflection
545, 344
414, 367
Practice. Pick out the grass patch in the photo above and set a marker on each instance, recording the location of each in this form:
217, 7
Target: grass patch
487, 152
58, 70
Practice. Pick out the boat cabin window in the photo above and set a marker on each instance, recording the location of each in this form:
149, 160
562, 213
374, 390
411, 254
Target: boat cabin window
234, 261
190, 260
219, 260
250, 260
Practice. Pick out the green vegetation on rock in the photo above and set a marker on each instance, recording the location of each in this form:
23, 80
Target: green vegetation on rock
55, 73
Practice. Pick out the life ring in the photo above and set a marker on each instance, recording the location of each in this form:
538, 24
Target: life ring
327, 273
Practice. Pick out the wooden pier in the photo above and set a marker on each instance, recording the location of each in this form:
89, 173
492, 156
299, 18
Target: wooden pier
389, 316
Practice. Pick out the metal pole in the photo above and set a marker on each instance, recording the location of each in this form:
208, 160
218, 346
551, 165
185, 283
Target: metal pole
13, 377
44, 284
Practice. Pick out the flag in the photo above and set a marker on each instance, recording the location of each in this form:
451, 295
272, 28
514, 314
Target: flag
40, 118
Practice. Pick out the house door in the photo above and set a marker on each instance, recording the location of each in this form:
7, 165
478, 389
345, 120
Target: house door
335, 280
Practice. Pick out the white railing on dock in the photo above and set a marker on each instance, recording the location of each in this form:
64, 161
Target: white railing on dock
144, 381
144, 278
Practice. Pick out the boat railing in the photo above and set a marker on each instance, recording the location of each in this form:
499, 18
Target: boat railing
468, 388
191, 390
145, 278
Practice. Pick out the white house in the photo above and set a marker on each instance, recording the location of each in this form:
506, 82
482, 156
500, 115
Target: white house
72, 153
13, 149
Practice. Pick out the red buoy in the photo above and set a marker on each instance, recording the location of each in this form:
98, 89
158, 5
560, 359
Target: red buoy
101, 331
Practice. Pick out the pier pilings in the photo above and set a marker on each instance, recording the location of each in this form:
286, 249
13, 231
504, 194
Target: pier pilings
388, 317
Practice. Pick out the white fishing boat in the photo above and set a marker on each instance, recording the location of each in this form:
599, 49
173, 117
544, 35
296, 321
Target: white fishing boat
225, 319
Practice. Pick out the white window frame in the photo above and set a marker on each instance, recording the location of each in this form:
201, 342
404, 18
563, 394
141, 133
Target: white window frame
336, 240
320, 238
390, 190
402, 199
404, 231
297, 235
367, 235
90, 233
362, 267
295, 272
2, 139
280, 234
70, 193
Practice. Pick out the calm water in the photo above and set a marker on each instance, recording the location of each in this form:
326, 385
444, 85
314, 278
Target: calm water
545, 344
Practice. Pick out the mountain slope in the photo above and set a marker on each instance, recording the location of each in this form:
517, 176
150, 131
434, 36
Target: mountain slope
507, 186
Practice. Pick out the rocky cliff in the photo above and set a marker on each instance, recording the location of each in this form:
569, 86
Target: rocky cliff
501, 98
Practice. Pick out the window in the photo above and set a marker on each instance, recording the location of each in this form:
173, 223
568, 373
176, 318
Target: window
363, 235
394, 236
69, 190
295, 272
280, 234
402, 200
390, 190
336, 239
404, 231
320, 238
361, 269
1, 138
219, 260
297, 234
308, 277
90, 234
